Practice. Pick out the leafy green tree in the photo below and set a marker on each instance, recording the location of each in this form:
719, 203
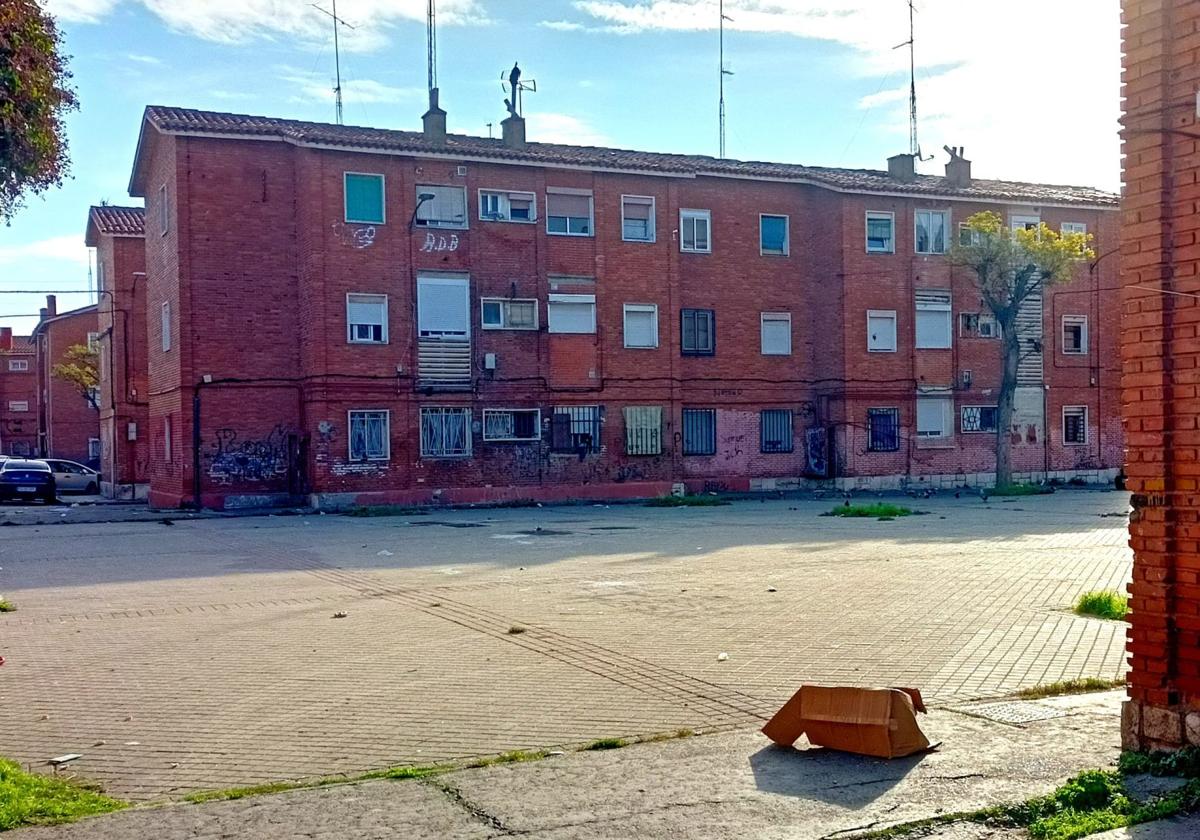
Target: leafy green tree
80, 367
1008, 267
35, 97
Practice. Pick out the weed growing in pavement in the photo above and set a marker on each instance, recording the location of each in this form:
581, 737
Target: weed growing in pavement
1077, 686
517, 630
1105, 603
35, 799
687, 501
7, 606
879, 510
605, 744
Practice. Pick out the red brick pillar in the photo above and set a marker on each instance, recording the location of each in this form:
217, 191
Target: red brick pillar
1160, 276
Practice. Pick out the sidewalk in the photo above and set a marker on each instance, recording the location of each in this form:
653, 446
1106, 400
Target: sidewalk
729, 785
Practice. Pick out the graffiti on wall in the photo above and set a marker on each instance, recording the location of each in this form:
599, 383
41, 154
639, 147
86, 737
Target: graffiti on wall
233, 459
439, 243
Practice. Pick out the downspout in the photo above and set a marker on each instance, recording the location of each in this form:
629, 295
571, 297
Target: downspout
196, 445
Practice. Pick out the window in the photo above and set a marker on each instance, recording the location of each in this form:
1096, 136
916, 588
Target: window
18, 364
931, 231
445, 432
698, 336
1075, 425
93, 448
166, 326
776, 333
637, 218
1073, 227
571, 314
506, 314
93, 342
881, 232
441, 207
933, 320
641, 325
980, 418
933, 417
443, 308
569, 212
773, 235
699, 431
976, 325
576, 429
100, 279
500, 206
369, 437
1025, 222
363, 198
967, 236
366, 319
694, 231
164, 212
1075, 335
167, 438
883, 429
512, 424
18, 405
775, 430
881, 331
643, 429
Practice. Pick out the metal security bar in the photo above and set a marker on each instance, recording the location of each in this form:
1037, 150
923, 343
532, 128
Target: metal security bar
883, 430
775, 434
576, 428
699, 431
643, 430
979, 418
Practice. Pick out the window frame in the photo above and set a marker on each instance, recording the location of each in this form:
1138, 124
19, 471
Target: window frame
878, 314
387, 435
946, 308
537, 425
876, 411
712, 331
570, 299
350, 339
591, 197
507, 196
595, 422
962, 426
690, 215
438, 224
763, 317
787, 235
167, 442
443, 411
164, 216
641, 308
504, 321
947, 425
382, 198
879, 214
652, 222
1079, 227
165, 315
1080, 321
762, 425
642, 441
711, 449
1084, 425
13, 406
18, 365
946, 228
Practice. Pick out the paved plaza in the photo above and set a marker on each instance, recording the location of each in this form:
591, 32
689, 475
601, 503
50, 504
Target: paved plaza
205, 654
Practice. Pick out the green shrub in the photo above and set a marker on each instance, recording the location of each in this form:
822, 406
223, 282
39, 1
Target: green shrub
1105, 603
875, 511
34, 799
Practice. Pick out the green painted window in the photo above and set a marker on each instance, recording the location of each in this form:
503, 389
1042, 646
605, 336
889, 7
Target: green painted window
364, 198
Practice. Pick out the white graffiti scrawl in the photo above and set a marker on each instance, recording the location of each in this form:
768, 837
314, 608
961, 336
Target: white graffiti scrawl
440, 243
364, 237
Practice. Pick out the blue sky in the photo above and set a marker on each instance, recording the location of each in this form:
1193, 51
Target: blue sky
1029, 87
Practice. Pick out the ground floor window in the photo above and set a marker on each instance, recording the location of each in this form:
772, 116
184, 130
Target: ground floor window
883, 429
576, 428
699, 431
980, 418
369, 438
93, 448
509, 424
935, 417
445, 432
1075, 425
643, 430
775, 433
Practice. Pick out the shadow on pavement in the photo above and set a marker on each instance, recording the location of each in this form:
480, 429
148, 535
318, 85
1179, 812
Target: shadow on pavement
849, 781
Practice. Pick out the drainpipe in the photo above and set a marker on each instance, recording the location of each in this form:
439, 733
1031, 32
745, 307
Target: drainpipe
196, 444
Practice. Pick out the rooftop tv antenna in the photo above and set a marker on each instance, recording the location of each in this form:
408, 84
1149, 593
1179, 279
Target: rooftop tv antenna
337, 56
516, 89
431, 42
724, 72
914, 148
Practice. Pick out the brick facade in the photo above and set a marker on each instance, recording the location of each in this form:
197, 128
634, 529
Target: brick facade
18, 395
68, 424
1160, 263
255, 262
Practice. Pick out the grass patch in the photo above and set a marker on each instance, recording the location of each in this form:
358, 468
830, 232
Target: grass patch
7, 606
414, 771
666, 736
1077, 686
605, 744
514, 757
250, 790
1021, 490
384, 510
879, 510
687, 501
34, 799
1104, 603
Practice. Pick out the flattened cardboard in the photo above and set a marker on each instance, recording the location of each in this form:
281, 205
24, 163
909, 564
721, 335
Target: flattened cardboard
878, 722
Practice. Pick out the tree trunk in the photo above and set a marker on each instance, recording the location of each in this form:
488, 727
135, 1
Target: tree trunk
1004, 418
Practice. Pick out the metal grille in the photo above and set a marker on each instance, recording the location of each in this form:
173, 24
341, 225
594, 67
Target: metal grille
775, 434
1075, 424
445, 432
643, 430
576, 428
883, 430
699, 431
979, 418
502, 424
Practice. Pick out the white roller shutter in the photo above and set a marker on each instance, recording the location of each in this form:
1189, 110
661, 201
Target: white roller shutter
443, 307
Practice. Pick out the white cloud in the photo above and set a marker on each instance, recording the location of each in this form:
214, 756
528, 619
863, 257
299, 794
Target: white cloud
1029, 86
563, 128
315, 87
80, 11
143, 59
562, 25
68, 248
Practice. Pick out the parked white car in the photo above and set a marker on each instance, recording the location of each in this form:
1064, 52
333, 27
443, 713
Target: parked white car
71, 477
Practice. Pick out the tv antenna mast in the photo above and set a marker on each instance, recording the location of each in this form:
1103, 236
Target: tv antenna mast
337, 56
431, 41
724, 72
914, 148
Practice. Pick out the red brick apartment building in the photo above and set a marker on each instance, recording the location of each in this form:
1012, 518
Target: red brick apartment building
68, 423
370, 316
18, 394
117, 235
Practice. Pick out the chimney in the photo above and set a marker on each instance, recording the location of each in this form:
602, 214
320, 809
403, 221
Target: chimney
958, 168
434, 120
6, 338
902, 168
513, 130
51, 305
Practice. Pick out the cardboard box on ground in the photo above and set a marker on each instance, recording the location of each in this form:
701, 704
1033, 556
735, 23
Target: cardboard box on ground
879, 722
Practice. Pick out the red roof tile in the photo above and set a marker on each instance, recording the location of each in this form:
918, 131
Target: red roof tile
117, 221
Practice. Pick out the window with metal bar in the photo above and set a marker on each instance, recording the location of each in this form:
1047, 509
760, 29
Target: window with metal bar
775, 434
369, 436
511, 424
576, 428
883, 429
1075, 425
445, 432
643, 429
699, 431
979, 418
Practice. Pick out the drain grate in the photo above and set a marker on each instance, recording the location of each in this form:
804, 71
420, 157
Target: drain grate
1014, 712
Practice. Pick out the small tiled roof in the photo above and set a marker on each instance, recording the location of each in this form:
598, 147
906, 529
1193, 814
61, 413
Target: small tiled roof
117, 221
188, 121
22, 346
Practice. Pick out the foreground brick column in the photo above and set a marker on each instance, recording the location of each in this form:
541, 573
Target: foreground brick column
1160, 279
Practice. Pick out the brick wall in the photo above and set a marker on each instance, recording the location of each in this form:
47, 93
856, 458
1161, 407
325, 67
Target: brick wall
1160, 263
18, 390
69, 421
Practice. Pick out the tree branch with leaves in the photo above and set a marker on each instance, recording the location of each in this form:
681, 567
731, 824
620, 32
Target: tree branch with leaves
80, 367
1009, 266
